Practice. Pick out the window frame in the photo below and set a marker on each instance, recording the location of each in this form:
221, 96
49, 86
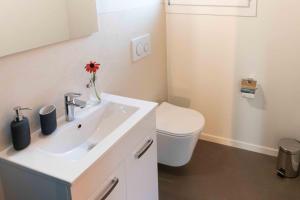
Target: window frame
223, 3
226, 10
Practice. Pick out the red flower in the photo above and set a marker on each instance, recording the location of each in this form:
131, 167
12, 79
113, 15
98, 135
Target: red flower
92, 67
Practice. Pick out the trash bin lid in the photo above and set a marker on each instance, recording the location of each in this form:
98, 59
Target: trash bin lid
290, 146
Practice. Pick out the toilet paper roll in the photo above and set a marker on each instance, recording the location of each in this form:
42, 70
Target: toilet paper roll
248, 88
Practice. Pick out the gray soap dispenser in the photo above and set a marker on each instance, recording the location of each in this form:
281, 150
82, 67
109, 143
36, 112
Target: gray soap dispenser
20, 130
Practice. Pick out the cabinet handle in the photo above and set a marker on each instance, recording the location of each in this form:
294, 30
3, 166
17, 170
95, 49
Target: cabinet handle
109, 189
144, 149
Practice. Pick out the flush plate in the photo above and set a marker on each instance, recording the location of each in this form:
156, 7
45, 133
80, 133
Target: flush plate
141, 47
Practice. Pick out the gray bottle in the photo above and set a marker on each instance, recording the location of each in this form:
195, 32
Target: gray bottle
20, 130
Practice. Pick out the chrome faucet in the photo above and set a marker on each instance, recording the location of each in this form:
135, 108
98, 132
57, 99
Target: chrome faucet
70, 103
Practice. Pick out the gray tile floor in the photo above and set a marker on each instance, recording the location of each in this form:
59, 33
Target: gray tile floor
218, 172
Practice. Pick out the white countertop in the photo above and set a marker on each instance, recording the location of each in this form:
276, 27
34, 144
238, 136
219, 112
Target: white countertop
67, 170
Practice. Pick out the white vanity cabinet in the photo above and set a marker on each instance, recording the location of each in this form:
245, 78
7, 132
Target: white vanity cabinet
122, 166
127, 172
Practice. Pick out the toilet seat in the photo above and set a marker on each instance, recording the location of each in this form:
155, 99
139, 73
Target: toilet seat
177, 121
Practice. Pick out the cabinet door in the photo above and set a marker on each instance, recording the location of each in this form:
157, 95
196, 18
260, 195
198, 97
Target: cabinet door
113, 188
141, 174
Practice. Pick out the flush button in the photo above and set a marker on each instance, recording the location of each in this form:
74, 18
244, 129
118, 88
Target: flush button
141, 47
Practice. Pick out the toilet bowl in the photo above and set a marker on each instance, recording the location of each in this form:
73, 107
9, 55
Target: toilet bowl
178, 130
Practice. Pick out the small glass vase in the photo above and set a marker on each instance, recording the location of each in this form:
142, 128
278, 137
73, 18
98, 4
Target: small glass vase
95, 96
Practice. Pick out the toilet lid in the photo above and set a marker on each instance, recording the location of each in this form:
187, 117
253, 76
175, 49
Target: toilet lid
179, 121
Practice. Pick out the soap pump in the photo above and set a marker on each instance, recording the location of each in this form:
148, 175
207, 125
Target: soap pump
20, 129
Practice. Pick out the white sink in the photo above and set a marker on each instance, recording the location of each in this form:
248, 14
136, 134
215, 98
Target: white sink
76, 145
74, 139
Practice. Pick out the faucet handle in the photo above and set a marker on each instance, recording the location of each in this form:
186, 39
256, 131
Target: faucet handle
72, 95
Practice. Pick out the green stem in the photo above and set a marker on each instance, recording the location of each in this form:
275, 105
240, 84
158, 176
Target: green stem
94, 85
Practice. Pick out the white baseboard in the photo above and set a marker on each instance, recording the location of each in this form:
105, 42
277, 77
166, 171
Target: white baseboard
239, 144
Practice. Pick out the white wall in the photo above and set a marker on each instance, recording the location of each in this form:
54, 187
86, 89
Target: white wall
208, 55
42, 76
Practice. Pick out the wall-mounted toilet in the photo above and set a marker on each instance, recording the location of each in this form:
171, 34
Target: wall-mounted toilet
178, 130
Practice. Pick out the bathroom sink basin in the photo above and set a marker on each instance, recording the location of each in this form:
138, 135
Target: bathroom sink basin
74, 139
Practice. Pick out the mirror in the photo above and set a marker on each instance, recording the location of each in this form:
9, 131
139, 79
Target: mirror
34, 23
